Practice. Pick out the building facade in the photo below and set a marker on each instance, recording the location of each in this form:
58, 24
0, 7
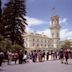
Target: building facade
34, 41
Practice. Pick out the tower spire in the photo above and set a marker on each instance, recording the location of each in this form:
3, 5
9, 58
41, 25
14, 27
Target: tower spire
53, 11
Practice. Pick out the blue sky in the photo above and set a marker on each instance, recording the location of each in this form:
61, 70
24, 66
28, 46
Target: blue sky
40, 11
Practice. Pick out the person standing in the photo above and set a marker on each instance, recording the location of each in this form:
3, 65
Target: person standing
10, 57
47, 57
61, 54
1, 57
39, 56
34, 56
15, 56
20, 57
25, 56
66, 54
43, 55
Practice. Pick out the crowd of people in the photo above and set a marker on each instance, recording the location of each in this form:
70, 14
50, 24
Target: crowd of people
65, 55
35, 56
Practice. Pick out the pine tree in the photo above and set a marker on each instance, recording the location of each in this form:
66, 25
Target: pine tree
0, 10
0, 16
14, 20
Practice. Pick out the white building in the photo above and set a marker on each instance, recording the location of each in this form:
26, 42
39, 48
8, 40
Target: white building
37, 41
40, 41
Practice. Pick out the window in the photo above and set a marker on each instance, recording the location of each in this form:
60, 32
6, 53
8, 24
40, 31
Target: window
57, 34
52, 34
42, 40
33, 44
45, 41
33, 39
37, 39
37, 44
41, 44
26, 38
45, 45
48, 45
48, 41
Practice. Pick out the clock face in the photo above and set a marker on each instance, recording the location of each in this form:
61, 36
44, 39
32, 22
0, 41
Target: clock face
54, 22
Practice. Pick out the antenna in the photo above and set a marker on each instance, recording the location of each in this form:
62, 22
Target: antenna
53, 9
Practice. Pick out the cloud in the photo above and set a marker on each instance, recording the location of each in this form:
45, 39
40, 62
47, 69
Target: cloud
65, 34
28, 29
63, 22
34, 21
45, 32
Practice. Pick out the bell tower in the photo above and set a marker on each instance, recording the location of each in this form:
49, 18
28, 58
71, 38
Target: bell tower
55, 28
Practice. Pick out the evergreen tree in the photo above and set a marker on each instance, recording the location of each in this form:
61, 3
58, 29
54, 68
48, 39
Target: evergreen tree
0, 10
0, 16
14, 21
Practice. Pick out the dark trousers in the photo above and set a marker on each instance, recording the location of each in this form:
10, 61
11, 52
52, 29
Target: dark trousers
47, 57
20, 61
1, 61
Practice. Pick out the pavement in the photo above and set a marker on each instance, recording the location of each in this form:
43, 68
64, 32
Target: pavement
47, 66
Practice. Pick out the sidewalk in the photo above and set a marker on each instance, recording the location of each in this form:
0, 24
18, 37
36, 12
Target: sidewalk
47, 66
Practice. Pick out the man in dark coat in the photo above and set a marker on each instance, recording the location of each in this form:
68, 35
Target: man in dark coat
1, 57
66, 54
20, 57
61, 54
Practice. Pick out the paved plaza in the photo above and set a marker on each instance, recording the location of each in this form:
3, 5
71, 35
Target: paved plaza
48, 66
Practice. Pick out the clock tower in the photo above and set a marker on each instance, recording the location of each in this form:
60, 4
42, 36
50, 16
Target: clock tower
55, 28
